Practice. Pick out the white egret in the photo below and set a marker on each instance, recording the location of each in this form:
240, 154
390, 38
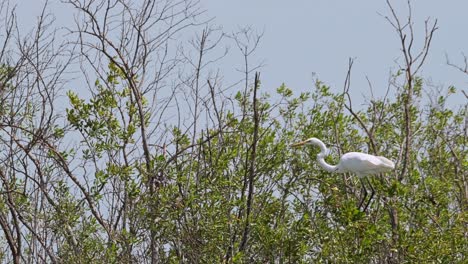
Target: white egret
361, 164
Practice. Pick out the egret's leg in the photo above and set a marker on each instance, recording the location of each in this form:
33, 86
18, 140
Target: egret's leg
364, 193
371, 195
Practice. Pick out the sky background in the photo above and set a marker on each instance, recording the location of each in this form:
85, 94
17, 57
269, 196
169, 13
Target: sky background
319, 36
302, 38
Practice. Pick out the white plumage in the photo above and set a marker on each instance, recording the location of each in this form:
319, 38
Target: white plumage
361, 164
364, 164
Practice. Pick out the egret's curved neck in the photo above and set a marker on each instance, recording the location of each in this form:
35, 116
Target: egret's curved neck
326, 166
321, 157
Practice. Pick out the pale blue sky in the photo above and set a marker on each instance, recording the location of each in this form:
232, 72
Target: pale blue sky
318, 36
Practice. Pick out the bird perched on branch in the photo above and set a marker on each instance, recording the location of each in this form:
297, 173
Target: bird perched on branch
361, 164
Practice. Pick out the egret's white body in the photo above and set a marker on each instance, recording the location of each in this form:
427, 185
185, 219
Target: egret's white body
361, 164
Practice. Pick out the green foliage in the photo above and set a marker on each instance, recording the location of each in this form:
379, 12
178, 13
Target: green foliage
190, 196
303, 214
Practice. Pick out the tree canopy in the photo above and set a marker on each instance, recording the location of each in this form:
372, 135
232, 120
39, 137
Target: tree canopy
147, 156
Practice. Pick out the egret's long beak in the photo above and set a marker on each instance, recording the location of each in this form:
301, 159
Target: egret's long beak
299, 144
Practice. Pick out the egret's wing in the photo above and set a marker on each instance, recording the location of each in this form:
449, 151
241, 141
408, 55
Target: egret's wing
388, 163
363, 163
377, 161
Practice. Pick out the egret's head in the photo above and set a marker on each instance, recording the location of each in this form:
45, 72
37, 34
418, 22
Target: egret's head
310, 141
